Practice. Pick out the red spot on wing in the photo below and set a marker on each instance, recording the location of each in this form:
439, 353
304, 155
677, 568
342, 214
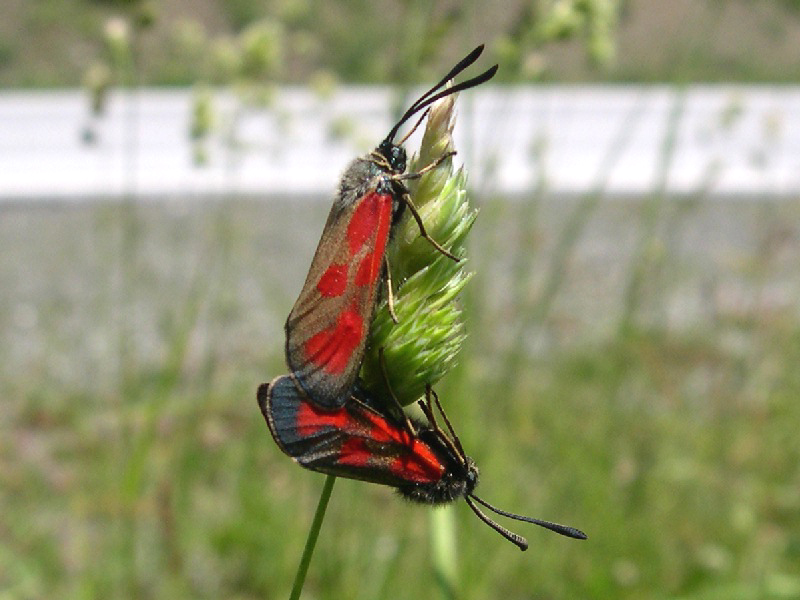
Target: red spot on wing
372, 216
331, 349
333, 282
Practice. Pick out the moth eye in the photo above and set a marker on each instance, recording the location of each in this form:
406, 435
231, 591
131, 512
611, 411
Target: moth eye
472, 476
398, 160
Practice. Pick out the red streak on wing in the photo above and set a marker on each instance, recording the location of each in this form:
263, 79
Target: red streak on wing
332, 348
417, 463
384, 431
354, 453
372, 214
333, 281
311, 420
369, 269
420, 465
413, 459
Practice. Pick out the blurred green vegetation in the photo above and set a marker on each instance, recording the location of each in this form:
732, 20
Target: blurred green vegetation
54, 42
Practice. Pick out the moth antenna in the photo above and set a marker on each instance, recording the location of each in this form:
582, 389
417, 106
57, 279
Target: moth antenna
426, 99
519, 541
460, 66
464, 85
414, 128
564, 530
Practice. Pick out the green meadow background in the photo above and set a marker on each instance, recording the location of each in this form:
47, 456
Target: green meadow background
134, 462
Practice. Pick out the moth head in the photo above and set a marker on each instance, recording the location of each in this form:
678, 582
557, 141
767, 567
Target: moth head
394, 154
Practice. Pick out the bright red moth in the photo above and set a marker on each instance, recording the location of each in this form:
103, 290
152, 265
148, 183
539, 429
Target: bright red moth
326, 332
363, 440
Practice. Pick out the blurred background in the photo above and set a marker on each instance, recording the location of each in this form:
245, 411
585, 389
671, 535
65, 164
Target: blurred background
631, 366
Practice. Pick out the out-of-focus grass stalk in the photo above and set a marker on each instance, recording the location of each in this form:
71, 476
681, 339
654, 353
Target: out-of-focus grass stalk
444, 551
648, 252
537, 312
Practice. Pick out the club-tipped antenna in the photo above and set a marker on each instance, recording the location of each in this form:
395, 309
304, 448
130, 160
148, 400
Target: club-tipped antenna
564, 530
460, 66
464, 85
426, 99
516, 539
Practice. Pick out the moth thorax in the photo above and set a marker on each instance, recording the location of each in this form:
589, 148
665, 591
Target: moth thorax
395, 155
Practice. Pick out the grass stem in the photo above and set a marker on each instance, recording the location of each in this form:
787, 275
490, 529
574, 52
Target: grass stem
313, 534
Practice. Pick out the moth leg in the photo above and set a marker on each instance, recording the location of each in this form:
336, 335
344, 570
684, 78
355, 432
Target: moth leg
389, 294
453, 442
407, 199
453, 435
423, 233
425, 169
425, 406
379, 160
412, 430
